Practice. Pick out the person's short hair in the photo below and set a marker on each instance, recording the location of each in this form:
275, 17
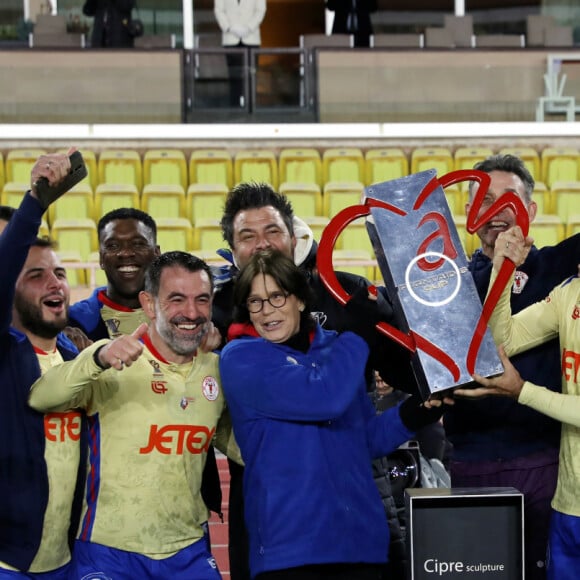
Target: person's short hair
253, 196
128, 213
6, 212
283, 270
510, 164
173, 259
44, 242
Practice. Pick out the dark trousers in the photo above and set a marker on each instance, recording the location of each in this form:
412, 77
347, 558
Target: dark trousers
238, 74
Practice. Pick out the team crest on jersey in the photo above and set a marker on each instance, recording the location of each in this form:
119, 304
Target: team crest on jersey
576, 313
210, 388
184, 403
320, 317
159, 387
156, 368
113, 327
520, 281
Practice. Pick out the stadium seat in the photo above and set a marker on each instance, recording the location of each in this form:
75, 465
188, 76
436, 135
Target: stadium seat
13, 192
99, 274
359, 262
344, 164
76, 203
456, 199
2, 173
530, 158
306, 198
174, 234
120, 166
565, 198
165, 167
164, 201
316, 223
467, 157
210, 257
205, 200
385, 164
438, 158
543, 198
75, 276
560, 164
44, 230
19, 162
90, 160
258, 166
547, 230
211, 166
355, 237
75, 235
300, 166
109, 196
340, 194
573, 225
207, 235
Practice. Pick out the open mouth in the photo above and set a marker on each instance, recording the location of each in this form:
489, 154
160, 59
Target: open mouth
272, 325
55, 304
128, 270
498, 225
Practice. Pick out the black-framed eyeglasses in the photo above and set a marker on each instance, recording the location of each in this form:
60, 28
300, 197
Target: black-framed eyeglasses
276, 300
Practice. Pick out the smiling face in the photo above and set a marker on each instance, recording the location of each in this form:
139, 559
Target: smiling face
41, 297
501, 183
274, 324
180, 313
127, 247
259, 229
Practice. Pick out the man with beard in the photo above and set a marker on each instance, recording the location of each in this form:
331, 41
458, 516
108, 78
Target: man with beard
154, 406
39, 454
497, 442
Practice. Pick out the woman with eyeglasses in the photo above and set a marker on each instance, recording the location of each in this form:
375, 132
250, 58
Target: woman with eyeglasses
307, 431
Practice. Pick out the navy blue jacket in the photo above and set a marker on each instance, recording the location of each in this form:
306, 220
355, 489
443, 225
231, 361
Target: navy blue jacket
500, 428
23, 473
86, 315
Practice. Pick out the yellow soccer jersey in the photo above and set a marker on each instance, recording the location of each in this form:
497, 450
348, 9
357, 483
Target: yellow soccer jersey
118, 319
150, 426
557, 315
62, 432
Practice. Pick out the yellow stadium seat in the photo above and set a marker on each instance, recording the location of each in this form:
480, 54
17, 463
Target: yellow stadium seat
259, 166
316, 223
355, 237
306, 198
75, 276
547, 230
76, 203
385, 164
530, 158
543, 198
90, 160
346, 164
456, 199
76, 235
560, 164
164, 201
109, 196
211, 166
13, 192
165, 167
470, 241
2, 174
340, 194
210, 257
174, 234
100, 278
44, 230
207, 235
573, 225
359, 262
120, 166
467, 157
438, 158
19, 162
565, 198
205, 200
300, 166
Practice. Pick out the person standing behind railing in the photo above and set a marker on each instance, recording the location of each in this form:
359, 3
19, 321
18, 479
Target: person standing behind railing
111, 20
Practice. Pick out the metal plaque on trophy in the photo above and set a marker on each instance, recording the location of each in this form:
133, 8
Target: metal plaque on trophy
439, 314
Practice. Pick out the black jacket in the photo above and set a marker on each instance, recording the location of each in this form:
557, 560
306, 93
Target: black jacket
110, 22
352, 16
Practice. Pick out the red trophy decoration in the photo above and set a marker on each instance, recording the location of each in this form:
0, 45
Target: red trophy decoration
425, 271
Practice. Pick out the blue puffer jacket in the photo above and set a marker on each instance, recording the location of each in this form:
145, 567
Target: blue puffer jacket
308, 434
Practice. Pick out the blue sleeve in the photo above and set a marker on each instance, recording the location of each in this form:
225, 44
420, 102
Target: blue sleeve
268, 381
385, 432
15, 242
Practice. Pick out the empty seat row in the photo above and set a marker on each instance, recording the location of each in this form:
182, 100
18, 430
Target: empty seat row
290, 165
